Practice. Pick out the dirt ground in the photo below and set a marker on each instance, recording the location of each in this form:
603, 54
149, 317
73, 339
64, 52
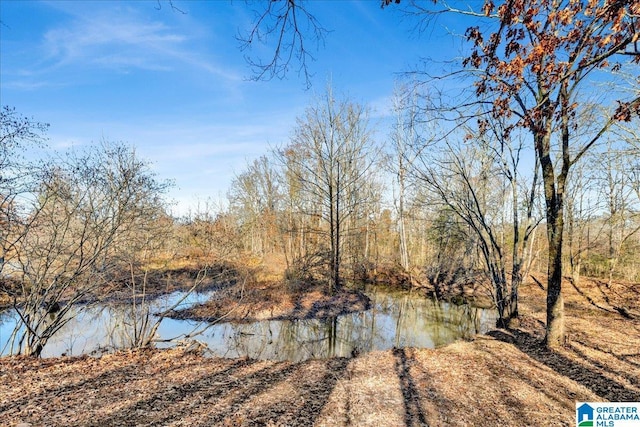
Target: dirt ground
505, 378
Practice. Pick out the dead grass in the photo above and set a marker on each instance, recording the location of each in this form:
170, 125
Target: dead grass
506, 378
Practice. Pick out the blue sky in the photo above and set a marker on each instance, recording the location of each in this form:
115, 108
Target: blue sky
175, 85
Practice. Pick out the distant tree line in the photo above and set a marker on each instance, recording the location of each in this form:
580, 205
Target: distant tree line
531, 66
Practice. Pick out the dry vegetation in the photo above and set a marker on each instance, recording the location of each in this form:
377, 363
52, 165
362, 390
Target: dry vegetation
268, 300
504, 378
264, 296
150, 284
164, 280
261, 294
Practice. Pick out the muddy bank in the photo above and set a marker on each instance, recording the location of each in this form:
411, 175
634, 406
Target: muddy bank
273, 301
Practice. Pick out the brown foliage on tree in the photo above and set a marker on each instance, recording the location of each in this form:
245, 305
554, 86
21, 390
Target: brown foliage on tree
531, 68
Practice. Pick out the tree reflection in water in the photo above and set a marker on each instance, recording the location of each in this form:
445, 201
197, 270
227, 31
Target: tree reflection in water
396, 319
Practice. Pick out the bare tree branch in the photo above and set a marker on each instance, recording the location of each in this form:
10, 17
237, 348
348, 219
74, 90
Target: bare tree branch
287, 25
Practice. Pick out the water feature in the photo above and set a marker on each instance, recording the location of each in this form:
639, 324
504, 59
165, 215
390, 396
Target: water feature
396, 319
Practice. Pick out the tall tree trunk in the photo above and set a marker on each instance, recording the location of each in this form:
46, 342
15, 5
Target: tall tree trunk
337, 240
554, 200
404, 252
555, 304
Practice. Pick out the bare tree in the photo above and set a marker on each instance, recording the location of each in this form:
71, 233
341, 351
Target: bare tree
581, 213
622, 199
76, 232
405, 136
255, 197
333, 168
17, 133
529, 61
481, 183
210, 234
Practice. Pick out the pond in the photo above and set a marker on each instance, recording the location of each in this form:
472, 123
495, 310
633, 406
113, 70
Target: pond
396, 319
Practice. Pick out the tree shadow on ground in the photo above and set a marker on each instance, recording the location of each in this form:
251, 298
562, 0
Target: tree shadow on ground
303, 408
244, 393
588, 376
168, 399
618, 370
413, 413
86, 382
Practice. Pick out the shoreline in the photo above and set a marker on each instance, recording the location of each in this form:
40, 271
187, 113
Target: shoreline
501, 378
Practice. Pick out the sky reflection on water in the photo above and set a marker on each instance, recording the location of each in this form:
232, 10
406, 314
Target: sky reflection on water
396, 319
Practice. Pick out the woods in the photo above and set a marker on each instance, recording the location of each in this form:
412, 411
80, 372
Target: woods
453, 242
457, 191
531, 65
463, 209
550, 51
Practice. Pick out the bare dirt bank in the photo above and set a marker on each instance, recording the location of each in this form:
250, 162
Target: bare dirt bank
272, 301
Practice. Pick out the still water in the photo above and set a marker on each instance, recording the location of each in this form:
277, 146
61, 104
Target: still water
396, 319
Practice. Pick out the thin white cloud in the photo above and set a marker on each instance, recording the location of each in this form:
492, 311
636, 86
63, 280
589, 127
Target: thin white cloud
125, 40
125, 62
201, 158
24, 85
